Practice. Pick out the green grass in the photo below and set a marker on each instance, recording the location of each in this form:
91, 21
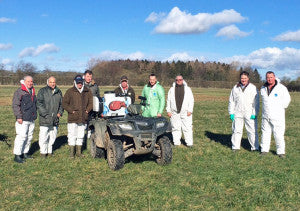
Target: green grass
208, 176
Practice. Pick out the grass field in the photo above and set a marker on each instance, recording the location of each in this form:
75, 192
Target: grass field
207, 176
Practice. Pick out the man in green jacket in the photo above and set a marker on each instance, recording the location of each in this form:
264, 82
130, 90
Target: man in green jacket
155, 95
49, 104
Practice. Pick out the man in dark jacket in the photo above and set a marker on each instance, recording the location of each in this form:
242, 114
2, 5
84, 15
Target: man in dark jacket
78, 102
49, 104
125, 89
24, 107
90, 83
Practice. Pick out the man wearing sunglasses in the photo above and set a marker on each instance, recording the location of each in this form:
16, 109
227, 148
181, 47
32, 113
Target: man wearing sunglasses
180, 104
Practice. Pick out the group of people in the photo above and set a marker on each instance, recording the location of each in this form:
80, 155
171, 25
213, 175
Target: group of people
78, 102
244, 108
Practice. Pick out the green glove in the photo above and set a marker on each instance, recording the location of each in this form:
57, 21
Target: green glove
232, 117
253, 117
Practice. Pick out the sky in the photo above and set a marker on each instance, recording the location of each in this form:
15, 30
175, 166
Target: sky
64, 35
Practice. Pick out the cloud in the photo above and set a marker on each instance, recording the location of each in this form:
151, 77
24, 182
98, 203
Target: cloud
6, 61
181, 22
7, 20
32, 52
231, 32
182, 56
288, 36
5, 46
155, 17
114, 55
287, 59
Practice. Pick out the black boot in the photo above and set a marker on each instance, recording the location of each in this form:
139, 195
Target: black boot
26, 156
18, 159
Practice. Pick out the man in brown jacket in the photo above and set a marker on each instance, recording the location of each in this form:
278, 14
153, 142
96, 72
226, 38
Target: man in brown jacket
78, 102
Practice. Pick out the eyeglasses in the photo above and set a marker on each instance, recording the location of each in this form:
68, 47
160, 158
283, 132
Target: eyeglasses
179, 79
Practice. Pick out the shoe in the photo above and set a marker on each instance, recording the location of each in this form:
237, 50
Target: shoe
281, 155
18, 159
189, 146
263, 153
235, 150
50, 155
26, 156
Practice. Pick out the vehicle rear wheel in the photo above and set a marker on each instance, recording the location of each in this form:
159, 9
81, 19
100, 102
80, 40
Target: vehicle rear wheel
165, 148
96, 152
115, 154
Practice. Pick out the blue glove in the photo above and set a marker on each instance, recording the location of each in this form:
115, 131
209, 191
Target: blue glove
253, 117
232, 117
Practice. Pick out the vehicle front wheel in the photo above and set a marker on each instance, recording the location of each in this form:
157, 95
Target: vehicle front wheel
164, 148
115, 154
96, 152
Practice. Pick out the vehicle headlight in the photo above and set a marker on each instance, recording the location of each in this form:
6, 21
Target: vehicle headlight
160, 124
125, 126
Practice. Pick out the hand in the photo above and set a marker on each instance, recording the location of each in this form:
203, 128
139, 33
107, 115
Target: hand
189, 113
20, 121
73, 112
253, 117
58, 115
86, 111
169, 114
158, 115
232, 117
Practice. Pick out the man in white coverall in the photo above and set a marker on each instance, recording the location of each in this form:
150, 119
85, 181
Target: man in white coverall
275, 99
180, 105
243, 108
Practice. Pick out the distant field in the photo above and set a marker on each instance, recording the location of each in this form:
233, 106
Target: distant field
207, 176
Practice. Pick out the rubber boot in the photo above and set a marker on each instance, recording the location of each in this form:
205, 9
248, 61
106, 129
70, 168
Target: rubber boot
18, 159
78, 151
72, 151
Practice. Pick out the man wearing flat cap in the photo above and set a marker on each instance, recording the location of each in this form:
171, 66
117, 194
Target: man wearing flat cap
78, 102
125, 89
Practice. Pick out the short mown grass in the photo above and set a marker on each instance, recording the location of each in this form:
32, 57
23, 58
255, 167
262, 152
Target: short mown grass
207, 176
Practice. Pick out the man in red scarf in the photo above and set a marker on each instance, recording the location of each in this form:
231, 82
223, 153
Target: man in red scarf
24, 108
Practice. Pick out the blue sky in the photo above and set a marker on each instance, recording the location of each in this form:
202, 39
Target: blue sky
69, 35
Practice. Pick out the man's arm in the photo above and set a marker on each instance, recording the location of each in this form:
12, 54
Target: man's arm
41, 104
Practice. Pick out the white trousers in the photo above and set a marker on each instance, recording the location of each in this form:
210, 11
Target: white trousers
278, 128
24, 134
47, 138
76, 133
237, 132
185, 123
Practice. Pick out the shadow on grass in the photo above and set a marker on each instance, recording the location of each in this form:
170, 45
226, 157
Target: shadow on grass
59, 142
4, 138
225, 139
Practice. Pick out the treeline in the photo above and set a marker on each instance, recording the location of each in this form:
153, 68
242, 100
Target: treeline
198, 74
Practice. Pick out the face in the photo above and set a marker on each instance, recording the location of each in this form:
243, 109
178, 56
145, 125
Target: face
244, 80
52, 83
79, 86
152, 80
124, 84
28, 82
88, 78
270, 78
179, 80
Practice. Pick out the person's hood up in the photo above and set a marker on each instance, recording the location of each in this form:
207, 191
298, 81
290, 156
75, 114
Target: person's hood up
79, 90
24, 88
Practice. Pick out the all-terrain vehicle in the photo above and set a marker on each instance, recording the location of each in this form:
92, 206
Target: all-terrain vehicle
118, 130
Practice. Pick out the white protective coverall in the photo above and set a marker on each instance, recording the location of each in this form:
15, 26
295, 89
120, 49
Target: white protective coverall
273, 116
181, 120
243, 104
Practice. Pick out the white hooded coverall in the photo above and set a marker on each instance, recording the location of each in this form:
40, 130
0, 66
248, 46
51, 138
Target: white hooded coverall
243, 104
180, 121
273, 116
